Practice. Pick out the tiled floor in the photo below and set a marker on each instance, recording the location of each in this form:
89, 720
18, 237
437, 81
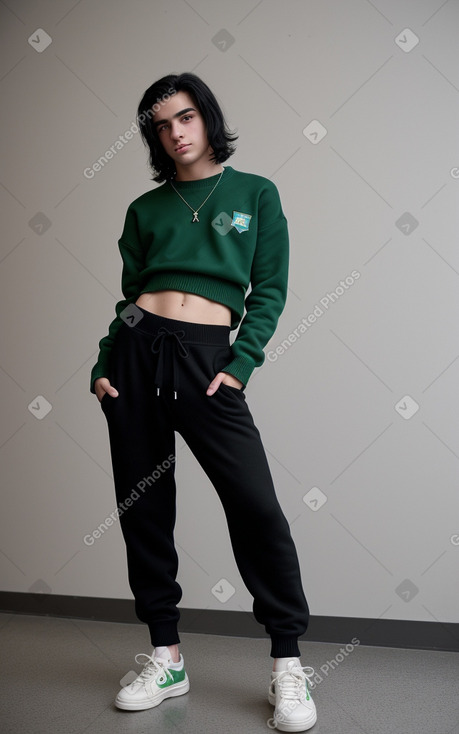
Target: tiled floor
59, 676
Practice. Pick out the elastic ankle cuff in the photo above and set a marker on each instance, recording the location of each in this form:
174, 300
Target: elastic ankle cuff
163, 634
285, 647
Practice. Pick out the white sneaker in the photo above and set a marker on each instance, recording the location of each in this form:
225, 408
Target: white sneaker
156, 682
288, 692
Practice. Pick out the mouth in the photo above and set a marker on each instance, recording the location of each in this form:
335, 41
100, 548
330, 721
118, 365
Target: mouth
182, 148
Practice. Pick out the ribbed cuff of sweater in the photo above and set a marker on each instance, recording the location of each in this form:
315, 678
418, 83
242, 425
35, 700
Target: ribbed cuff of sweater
241, 368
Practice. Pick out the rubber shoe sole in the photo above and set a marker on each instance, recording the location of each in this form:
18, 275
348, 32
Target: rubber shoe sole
149, 702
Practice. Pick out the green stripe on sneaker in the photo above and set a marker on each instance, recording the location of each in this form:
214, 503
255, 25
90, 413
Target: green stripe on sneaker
177, 676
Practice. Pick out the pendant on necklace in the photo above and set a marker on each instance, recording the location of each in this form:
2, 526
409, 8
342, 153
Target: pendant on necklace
195, 217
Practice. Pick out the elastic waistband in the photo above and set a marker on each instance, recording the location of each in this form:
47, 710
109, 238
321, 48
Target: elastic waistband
151, 323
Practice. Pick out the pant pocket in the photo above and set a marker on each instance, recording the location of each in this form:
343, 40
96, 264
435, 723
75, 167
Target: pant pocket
232, 389
106, 400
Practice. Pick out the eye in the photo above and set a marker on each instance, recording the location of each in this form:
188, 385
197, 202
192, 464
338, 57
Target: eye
185, 118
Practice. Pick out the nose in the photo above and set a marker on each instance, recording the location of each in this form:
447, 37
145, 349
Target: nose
176, 130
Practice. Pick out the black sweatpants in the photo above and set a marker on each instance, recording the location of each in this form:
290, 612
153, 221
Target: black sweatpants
162, 368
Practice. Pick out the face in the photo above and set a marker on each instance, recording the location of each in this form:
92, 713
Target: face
181, 131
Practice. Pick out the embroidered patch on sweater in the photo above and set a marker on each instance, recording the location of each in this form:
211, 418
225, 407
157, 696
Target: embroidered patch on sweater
241, 221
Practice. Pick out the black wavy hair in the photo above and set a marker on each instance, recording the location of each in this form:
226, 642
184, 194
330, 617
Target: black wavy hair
221, 140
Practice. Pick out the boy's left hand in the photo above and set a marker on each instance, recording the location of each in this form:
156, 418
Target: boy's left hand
227, 379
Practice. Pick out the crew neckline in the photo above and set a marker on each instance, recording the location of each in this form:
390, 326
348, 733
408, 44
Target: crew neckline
203, 183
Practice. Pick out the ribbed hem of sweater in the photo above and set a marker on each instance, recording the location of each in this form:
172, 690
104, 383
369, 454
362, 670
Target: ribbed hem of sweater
225, 292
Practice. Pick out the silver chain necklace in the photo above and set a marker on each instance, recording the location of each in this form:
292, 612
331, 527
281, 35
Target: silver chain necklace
196, 211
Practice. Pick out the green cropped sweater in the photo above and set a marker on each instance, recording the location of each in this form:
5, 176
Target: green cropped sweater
241, 240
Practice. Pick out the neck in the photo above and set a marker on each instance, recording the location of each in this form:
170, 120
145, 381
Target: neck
197, 171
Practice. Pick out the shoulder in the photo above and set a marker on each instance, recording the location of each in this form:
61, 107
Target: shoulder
149, 197
253, 180
260, 193
259, 189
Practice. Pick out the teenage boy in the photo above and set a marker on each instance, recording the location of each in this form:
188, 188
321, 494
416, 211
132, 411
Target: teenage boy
190, 249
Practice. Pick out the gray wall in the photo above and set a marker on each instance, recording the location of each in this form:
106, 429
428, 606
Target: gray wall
358, 408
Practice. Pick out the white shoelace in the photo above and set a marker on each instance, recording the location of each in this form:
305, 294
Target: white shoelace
292, 681
151, 668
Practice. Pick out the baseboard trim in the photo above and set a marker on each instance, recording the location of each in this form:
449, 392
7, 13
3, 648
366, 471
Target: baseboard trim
376, 632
